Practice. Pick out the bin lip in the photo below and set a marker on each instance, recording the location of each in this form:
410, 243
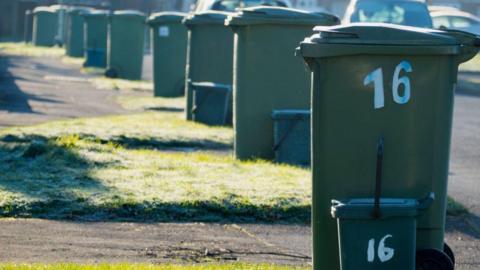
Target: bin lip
206, 17
166, 17
133, 14
97, 13
43, 9
280, 15
386, 39
79, 10
291, 114
211, 86
363, 208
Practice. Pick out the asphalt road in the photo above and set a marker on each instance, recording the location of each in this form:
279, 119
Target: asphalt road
465, 156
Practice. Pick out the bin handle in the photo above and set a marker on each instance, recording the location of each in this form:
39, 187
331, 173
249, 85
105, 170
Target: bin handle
378, 178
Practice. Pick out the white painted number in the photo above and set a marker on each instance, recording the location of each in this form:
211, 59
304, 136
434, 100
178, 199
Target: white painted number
377, 78
384, 253
404, 65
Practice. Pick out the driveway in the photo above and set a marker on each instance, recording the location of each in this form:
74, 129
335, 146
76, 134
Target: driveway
37, 90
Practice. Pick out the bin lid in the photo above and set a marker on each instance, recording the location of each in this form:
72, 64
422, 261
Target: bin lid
207, 17
131, 14
280, 15
363, 208
291, 115
78, 10
43, 9
367, 38
96, 13
166, 17
210, 86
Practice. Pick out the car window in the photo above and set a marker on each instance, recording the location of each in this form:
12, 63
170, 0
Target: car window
231, 5
441, 21
396, 12
461, 22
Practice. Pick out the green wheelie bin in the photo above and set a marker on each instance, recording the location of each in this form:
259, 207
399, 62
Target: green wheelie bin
96, 32
169, 45
268, 75
126, 45
209, 53
45, 23
397, 83
74, 43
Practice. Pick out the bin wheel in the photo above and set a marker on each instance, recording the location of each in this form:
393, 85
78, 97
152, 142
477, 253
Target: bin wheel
449, 252
111, 73
433, 259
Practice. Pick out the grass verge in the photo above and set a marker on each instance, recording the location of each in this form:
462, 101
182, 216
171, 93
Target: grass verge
147, 166
455, 208
23, 49
472, 65
124, 85
149, 267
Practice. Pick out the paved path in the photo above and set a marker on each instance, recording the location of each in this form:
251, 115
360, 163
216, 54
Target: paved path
36, 90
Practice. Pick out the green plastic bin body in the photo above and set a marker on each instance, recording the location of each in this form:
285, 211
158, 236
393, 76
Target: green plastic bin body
267, 74
369, 243
45, 21
209, 52
126, 45
62, 29
372, 81
291, 136
28, 26
211, 103
96, 33
169, 43
74, 45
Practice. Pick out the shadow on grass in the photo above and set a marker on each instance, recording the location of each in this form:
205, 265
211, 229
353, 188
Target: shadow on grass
158, 143
50, 179
468, 224
165, 109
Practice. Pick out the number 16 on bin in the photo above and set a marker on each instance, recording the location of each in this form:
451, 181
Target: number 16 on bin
376, 77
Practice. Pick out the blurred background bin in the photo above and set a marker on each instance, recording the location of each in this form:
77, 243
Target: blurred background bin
292, 136
211, 103
96, 32
28, 27
74, 43
209, 54
45, 25
402, 91
126, 45
169, 44
268, 75
61, 31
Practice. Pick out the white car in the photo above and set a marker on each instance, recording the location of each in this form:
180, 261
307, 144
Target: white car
231, 5
456, 19
402, 12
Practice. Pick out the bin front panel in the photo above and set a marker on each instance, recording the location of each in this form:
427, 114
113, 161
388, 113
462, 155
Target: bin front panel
169, 50
210, 57
268, 76
75, 35
415, 124
44, 29
377, 244
126, 47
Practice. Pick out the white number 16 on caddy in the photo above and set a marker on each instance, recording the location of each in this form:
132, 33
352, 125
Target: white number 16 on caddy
376, 77
384, 253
